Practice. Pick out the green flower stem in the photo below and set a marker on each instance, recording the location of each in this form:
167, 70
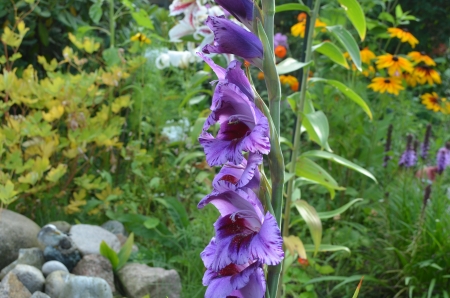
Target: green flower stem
296, 150
112, 24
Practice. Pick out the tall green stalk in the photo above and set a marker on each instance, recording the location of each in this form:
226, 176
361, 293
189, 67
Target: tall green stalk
276, 161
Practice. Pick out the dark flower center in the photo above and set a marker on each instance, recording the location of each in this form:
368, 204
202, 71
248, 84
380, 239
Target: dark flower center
234, 130
423, 53
395, 58
230, 178
231, 269
405, 29
387, 81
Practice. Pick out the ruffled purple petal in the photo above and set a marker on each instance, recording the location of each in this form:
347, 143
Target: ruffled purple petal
218, 70
233, 176
232, 39
231, 280
230, 202
236, 76
240, 9
208, 254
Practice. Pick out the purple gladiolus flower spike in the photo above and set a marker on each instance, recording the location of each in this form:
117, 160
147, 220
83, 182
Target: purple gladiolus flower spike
233, 74
443, 158
243, 127
232, 177
240, 9
230, 38
235, 281
243, 232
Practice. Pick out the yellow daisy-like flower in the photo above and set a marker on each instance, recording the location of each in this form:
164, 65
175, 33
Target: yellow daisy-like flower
446, 108
367, 55
291, 81
427, 75
418, 57
391, 85
411, 78
395, 65
404, 35
299, 28
432, 101
367, 72
141, 38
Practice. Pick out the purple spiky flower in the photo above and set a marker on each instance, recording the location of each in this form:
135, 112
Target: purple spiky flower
443, 158
425, 146
409, 157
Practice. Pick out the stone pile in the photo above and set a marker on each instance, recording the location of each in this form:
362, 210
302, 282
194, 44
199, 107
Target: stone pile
64, 261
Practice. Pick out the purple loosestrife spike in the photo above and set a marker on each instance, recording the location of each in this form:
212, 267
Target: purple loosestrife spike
387, 146
408, 158
443, 158
240, 9
243, 232
235, 281
230, 38
232, 177
280, 40
233, 74
425, 146
243, 127
426, 195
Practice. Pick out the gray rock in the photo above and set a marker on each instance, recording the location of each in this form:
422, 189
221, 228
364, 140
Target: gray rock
55, 282
52, 266
28, 256
11, 287
139, 280
31, 277
86, 287
16, 232
58, 246
115, 227
88, 238
61, 225
39, 295
97, 266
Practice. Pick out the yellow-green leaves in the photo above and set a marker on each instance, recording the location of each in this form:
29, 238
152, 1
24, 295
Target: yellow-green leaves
292, 6
316, 124
295, 246
13, 39
56, 173
312, 219
7, 193
330, 50
309, 170
347, 92
289, 65
355, 14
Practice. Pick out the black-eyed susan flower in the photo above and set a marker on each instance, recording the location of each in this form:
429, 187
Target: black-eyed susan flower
395, 64
404, 35
391, 85
299, 28
291, 81
141, 38
367, 55
418, 57
411, 78
432, 101
428, 75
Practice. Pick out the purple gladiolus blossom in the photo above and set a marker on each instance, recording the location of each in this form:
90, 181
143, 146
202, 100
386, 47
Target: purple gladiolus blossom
243, 232
230, 38
233, 74
235, 281
242, 127
240, 9
280, 40
443, 159
246, 174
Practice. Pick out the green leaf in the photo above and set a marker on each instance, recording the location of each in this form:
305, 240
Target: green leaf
347, 92
325, 270
143, 19
311, 218
348, 42
398, 11
330, 50
125, 251
111, 56
308, 169
14, 57
151, 223
340, 210
385, 16
289, 65
43, 34
95, 12
326, 248
340, 160
197, 129
292, 6
316, 124
356, 15
110, 254
176, 211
